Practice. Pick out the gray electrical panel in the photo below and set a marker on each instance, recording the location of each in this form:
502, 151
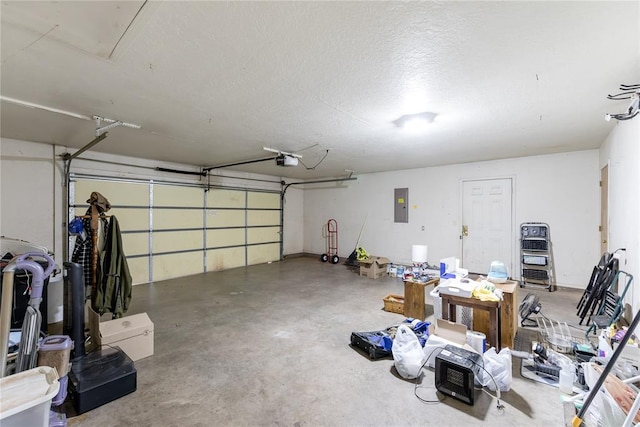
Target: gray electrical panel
400, 204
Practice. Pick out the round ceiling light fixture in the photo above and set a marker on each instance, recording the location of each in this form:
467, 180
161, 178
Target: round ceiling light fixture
417, 122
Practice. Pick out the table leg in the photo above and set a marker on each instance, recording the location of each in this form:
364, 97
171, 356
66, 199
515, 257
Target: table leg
493, 329
500, 343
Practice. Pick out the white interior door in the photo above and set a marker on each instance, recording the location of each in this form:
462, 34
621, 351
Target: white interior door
487, 231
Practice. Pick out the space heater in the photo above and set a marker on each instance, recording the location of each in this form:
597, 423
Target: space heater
456, 370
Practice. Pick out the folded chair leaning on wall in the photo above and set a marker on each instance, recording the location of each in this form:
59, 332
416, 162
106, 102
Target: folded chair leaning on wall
596, 274
612, 305
597, 293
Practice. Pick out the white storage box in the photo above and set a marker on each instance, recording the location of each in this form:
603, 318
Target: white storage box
133, 334
26, 397
457, 287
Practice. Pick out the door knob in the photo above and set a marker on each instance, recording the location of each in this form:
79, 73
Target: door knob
465, 230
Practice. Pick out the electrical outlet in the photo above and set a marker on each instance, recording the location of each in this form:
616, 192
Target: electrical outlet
422, 228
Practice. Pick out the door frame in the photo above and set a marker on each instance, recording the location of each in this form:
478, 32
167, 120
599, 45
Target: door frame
604, 228
514, 226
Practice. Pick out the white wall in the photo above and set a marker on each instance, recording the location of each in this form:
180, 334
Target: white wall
28, 192
293, 221
621, 152
561, 190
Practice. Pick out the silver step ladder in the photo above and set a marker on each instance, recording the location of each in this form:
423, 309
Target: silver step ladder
536, 257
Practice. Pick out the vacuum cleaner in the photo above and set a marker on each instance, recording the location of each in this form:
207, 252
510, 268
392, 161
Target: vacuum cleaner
28, 349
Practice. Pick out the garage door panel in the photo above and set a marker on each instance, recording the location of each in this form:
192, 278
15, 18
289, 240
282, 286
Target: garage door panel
172, 195
135, 243
176, 218
177, 241
176, 265
260, 254
131, 219
225, 218
263, 218
262, 235
217, 198
222, 259
118, 193
263, 200
139, 270
226, 237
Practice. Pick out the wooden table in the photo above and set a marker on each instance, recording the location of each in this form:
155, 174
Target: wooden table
414, 298
449, 303
508, 315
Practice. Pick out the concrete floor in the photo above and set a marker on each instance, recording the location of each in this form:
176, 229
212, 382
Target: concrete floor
269, 345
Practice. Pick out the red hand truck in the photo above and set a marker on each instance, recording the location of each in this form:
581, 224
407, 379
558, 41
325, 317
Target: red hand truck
331, 243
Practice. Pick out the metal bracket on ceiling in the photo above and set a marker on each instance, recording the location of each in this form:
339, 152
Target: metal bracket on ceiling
112, 124
101, 133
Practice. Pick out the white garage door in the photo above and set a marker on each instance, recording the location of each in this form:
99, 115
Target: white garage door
173, 230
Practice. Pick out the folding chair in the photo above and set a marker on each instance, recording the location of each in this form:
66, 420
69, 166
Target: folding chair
612, 305
598, 269
604, 281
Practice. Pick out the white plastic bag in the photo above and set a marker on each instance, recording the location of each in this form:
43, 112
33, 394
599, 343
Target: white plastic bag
407, 352
603, 411
499, 366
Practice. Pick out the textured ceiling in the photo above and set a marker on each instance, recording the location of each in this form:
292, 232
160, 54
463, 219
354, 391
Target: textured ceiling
213, 82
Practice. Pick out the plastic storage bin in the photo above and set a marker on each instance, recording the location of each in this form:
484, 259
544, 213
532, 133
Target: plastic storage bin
26, 397
54, 351
101, 377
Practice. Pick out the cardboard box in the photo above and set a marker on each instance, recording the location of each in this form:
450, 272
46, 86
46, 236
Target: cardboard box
455, 333
374, 266
133, 334
442, 333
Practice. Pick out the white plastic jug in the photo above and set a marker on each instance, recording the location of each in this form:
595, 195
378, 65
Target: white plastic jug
566, 379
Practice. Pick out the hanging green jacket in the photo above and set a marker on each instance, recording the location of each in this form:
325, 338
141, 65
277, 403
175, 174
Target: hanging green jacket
113, 293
